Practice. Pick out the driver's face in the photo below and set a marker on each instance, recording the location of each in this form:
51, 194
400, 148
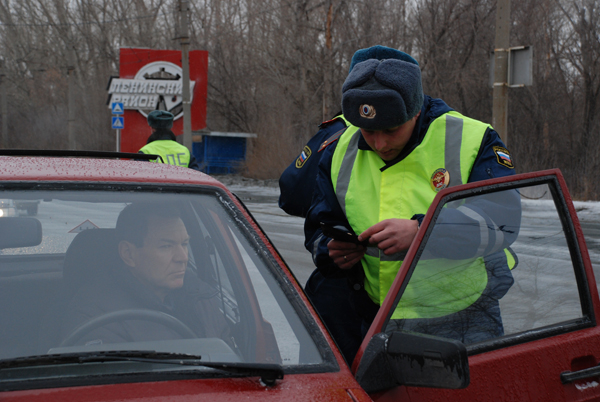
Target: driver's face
161, 262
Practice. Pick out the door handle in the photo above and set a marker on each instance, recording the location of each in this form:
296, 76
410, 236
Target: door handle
567, 377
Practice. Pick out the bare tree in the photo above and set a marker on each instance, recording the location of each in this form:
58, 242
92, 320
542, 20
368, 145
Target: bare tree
276, 68
582, 53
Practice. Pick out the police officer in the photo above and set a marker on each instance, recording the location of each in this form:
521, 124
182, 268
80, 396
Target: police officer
297, 186
378, 179
163, 142
297, 182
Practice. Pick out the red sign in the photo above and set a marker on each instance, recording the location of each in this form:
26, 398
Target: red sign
151, 79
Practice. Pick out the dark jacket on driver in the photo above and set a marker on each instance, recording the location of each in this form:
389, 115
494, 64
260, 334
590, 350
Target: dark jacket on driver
195, 304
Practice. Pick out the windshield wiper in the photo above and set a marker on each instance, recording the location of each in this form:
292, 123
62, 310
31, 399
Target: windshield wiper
267, 372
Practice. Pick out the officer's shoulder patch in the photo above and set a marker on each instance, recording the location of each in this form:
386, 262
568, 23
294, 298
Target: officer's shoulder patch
304, 155
503, 157
328, 122
331, 139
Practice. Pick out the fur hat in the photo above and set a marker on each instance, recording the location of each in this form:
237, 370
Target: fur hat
160, 119
382, 94
380, 53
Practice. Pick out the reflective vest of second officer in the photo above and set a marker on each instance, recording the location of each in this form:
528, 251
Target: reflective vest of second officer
163, 142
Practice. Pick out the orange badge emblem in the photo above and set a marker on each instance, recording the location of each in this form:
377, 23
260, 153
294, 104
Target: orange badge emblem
440, 179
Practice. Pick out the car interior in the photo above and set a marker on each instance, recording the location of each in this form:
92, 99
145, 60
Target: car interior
37, 283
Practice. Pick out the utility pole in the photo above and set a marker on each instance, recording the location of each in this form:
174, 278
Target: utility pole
71, 96
501, 52
328, 64
4, 105
185, 66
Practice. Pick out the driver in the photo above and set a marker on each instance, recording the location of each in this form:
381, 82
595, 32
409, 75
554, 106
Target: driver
150, 273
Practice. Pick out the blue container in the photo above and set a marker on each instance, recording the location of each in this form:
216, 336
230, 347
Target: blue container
220, 155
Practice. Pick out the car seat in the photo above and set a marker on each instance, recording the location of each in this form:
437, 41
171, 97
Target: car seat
91, 254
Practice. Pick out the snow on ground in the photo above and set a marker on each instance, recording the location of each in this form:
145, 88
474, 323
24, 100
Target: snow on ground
261, 196
236, 183
587, 211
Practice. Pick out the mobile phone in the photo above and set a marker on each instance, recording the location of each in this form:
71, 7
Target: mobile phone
341, 235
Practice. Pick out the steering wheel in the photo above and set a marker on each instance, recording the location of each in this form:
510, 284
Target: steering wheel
133, 314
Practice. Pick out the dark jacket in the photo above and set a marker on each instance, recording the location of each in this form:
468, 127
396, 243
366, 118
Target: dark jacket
195, 304
297, 182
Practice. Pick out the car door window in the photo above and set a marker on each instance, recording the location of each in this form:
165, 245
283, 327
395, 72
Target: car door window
494, 265
545, 289
289, 344
232, 259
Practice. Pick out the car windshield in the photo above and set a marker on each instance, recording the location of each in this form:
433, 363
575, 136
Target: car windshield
97, 268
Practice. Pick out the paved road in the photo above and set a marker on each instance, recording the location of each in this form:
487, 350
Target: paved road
285, 231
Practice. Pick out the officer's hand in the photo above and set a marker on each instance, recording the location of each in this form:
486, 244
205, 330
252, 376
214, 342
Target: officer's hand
391, 235
344, 254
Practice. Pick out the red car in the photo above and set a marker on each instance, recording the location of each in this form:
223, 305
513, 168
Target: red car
220, 316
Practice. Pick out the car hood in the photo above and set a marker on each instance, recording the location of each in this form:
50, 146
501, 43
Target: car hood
339, 386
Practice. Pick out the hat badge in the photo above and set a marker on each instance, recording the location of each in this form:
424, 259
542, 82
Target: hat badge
367, 111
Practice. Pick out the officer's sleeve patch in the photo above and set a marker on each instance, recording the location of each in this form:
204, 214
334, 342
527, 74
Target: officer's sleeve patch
304, 155
503, 157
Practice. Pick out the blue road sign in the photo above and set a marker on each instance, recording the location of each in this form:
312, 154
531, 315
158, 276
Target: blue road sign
117, 108
118, 122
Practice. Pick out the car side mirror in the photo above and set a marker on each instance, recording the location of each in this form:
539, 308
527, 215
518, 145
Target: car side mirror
413, 359
20, 232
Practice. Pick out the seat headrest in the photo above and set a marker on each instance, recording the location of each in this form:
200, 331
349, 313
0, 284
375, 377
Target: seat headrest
90, 254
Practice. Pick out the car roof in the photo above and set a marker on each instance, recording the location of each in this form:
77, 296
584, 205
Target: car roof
100, 170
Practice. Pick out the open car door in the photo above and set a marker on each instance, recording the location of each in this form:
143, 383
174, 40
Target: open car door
495, 300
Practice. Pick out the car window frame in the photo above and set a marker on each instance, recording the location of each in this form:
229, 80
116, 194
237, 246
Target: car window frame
582, 265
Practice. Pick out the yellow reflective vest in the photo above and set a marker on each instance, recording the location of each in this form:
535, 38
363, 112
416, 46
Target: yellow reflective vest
171, 152
368, 195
